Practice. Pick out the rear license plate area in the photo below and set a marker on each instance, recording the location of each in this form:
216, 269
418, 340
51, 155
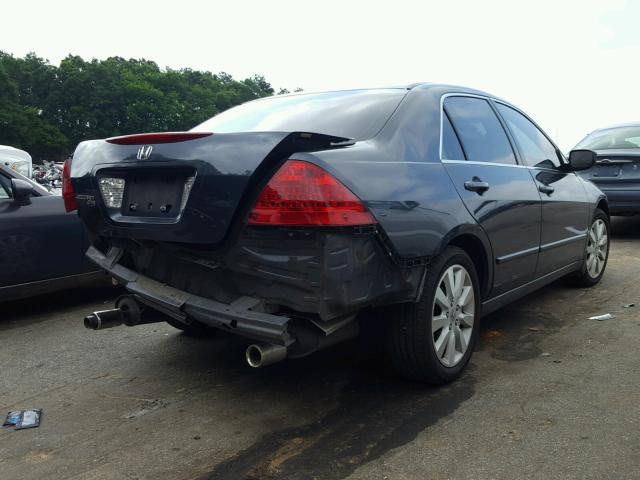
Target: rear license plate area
153, 194
607, 171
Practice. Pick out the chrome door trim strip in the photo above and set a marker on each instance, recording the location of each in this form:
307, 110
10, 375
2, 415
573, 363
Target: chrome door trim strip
564, 241
516, 255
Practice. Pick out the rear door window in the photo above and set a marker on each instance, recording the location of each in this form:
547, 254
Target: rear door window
535, 147
479, 130
451, 148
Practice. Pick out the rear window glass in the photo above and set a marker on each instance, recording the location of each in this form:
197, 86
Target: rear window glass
356, 114
612, 138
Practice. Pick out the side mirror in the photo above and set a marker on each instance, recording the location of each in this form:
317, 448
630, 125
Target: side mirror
21, 189
581, 159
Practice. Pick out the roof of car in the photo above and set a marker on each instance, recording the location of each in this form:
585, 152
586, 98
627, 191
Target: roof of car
618, 125
11, 153
409, 86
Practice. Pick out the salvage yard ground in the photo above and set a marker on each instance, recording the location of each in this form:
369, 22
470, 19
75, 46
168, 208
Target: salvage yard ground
549, 394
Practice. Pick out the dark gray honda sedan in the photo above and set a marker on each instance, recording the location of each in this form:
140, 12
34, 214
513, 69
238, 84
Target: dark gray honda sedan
287, 220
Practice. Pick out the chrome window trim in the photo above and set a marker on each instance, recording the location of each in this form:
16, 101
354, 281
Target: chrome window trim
476, 162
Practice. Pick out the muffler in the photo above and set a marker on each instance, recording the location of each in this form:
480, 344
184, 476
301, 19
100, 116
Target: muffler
261, 355
127, 312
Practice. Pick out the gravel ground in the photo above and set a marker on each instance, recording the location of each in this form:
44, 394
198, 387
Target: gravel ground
549, 394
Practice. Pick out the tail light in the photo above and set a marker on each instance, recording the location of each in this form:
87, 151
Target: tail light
68, 196
303, 194
168, 137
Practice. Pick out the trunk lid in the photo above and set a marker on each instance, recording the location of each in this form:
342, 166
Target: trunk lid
189, 190
616, 167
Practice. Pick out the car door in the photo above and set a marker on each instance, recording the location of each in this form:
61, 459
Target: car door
565, 207
38, 239
499, 193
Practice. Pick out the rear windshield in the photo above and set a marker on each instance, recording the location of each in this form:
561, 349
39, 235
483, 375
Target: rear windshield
356, 114
612, 138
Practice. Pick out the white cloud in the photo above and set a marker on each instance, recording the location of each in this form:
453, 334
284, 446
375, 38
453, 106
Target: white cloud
570, 65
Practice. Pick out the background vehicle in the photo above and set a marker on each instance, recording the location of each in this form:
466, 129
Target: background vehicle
301, 212
16, 160
41, 246
617, 168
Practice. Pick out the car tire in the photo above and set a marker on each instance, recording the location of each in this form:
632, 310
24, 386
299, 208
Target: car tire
420, 342
194, 329
596, 248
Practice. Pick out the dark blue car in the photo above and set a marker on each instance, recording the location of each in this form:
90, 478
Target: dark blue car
288, 220
617, 168
41, 245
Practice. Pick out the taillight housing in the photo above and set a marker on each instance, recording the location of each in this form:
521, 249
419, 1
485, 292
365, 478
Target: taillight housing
70, 203
303, 194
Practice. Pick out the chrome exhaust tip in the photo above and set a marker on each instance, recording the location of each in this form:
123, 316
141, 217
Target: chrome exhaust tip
262, 355
104, 319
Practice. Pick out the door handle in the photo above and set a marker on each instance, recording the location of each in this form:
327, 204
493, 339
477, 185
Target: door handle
548, 189
476, 185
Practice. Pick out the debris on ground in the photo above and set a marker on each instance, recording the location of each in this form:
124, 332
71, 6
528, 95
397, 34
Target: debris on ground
629, 305
490, 334
150, 406
545, 354
23, 419
606, 316
12, 419
534, 329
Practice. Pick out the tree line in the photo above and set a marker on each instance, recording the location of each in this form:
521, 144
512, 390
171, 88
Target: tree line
47, 109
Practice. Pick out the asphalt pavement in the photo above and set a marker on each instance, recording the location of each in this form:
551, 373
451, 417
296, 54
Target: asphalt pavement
549, 394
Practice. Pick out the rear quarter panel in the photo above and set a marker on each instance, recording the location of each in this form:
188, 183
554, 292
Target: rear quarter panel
399, 176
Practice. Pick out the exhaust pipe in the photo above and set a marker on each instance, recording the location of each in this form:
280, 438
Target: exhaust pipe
127, 312
261, 355
104, 319
307, 342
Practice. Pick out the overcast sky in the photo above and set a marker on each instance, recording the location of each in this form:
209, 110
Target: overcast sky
572, 65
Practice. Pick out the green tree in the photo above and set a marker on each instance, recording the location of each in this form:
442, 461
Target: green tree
22, 126
48, 109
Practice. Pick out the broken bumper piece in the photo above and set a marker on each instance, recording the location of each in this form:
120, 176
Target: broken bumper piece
238, 317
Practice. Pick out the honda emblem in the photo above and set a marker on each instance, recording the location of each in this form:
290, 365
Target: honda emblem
144, 152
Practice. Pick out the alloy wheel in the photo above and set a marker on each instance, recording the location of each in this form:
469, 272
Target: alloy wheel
597, 248
453, 315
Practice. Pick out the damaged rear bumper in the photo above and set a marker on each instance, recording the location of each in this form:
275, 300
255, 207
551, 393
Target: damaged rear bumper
270, 286
237, 316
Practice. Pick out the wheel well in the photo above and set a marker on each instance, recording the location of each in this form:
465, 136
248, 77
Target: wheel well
604, 206
475, 249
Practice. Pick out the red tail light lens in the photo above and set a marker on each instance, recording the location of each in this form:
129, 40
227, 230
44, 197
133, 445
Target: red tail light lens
303, 194
68, 196
168, 137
